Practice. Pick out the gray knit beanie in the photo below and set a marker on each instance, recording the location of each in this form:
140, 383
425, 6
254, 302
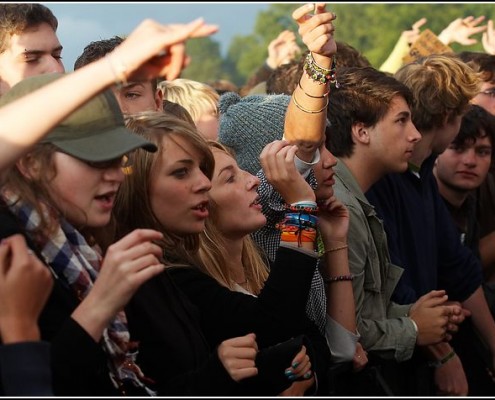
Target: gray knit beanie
248, 124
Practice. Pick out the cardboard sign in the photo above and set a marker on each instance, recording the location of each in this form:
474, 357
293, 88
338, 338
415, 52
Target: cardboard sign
427, 43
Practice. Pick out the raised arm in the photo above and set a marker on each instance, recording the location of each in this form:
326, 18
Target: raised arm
151, 50
305, 120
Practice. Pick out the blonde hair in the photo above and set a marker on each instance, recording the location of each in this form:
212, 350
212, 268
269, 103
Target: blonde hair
196, 97
442, 86
133, 203
214, 253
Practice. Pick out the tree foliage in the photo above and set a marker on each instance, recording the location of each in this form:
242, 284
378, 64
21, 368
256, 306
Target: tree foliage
372, 28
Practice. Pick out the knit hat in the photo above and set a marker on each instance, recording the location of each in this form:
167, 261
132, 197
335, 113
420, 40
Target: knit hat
94, 132
249, 123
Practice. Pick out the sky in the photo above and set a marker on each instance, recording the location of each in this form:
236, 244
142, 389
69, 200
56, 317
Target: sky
83, 22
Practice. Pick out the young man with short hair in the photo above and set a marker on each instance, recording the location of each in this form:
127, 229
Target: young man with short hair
422, 236
372, 134
134, 97
29, 44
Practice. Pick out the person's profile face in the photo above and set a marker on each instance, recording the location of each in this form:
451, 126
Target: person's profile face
234, 196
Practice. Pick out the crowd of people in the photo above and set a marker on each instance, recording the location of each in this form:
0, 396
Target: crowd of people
327, 229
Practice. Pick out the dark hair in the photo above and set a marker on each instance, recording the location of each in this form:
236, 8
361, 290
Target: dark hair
480, 62
15, 18
476, 123
364, 95
99, 49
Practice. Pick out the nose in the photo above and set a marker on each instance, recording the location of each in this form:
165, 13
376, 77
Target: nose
328, 159
469, 157
203, 183
54, 65
414, 135
114, 174
252, 181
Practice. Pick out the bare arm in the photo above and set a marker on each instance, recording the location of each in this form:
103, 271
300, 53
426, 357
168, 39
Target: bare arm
305, 120
136, 59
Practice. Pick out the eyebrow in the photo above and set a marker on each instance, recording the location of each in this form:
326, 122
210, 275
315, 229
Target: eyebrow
225, 169
40, 52
404, 114
133, 84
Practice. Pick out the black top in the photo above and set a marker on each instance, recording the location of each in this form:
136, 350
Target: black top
182, 315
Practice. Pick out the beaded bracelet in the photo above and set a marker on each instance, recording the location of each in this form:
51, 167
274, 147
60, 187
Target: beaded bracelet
338, 278
318, 73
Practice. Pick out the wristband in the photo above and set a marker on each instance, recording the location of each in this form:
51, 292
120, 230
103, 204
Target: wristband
439, 363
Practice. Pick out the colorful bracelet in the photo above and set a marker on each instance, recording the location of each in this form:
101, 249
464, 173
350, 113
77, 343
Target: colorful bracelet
308, 209
318, 73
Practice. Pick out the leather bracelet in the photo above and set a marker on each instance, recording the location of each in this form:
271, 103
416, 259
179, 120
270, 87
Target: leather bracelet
439, 363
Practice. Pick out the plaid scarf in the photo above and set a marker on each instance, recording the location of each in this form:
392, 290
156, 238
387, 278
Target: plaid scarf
70, 256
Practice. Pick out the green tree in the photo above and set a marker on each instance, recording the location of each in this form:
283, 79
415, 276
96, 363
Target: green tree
371, 28
206, 61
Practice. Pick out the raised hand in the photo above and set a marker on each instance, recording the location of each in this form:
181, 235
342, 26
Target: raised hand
488, 38
25, 284
277, 161
238, 356
153, 49
460, 31
128, 263
282, 50
316, 30
412, 35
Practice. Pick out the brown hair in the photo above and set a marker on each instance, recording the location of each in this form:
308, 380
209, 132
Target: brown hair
133, 203
16, 18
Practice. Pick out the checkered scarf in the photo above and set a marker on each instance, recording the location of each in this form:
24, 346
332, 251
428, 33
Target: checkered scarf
70, 256
268, 238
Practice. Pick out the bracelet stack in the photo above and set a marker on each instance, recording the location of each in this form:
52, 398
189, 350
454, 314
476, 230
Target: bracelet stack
300, 223
320, 74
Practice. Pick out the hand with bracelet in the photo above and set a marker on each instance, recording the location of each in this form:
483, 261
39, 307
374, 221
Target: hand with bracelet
310, 98
449, 376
